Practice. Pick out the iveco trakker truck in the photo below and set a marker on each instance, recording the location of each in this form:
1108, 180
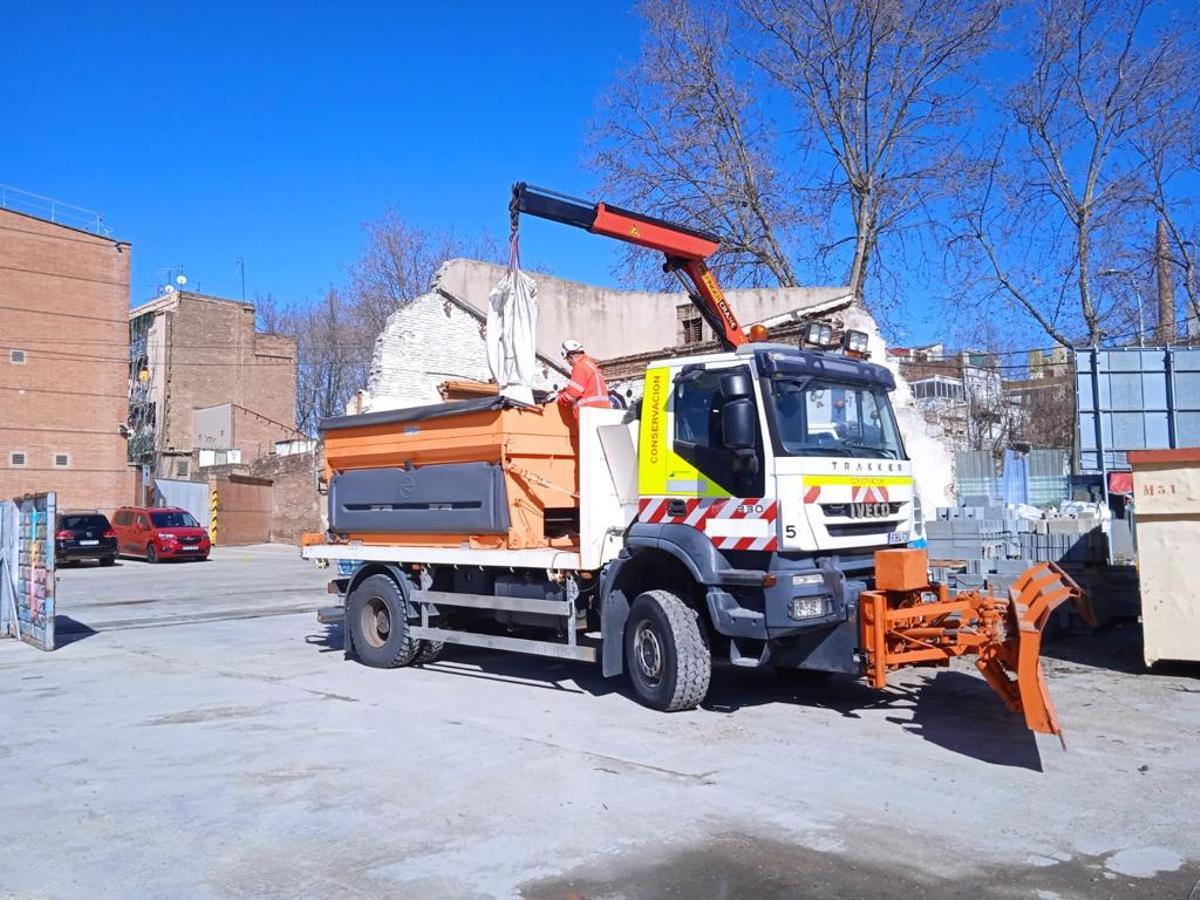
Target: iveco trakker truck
755, 506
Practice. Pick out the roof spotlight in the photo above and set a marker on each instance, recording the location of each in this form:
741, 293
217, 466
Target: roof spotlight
818, 334
855, 342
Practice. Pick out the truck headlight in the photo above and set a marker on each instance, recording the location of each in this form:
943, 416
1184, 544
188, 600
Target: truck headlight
808, 607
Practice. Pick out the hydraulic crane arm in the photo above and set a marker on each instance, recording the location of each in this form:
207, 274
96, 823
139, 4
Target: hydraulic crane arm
685, 248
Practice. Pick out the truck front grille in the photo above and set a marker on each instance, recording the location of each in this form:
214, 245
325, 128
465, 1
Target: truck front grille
858, 529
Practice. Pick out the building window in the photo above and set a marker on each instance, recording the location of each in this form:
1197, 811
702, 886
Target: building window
689, 326
16, 357
938, 388
16, 458
181, 469
62, 459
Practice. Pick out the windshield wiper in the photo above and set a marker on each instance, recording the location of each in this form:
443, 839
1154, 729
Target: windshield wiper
888, 452
822, 450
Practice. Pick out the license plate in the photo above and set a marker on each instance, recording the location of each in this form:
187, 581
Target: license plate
188, 549
898, 537
870, 510
88, 543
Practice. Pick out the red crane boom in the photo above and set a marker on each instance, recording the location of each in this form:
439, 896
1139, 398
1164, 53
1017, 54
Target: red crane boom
685, 249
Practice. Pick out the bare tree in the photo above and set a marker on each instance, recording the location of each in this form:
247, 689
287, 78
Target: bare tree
1170, 152
1063, 191
1044, 412
681, 136
885, 84
335, 337
874, 90
397, 265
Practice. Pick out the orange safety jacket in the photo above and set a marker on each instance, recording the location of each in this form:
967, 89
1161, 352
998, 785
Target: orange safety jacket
587, 386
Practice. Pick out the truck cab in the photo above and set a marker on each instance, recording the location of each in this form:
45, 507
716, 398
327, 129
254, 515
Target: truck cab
780, 461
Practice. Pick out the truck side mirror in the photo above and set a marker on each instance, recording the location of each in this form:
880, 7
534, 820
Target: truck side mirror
736, 385
738, 430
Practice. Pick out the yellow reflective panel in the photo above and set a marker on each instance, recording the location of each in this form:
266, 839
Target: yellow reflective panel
662, 471
654, 436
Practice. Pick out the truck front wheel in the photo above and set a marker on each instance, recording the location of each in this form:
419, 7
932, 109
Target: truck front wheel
666, 653
378, 620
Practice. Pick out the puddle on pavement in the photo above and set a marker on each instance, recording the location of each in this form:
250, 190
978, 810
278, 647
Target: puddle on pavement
738, 867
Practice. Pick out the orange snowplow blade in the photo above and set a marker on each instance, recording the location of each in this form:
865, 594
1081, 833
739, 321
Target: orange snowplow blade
906, 623
1033, 598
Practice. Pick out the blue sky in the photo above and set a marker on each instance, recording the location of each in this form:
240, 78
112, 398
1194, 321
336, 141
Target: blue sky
272, 131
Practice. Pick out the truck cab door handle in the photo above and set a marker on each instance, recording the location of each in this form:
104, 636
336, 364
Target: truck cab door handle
676, 508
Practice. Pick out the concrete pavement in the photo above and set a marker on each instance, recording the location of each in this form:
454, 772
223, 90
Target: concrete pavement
184, 749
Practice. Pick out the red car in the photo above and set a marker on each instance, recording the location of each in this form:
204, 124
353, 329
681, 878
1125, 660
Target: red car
159, 532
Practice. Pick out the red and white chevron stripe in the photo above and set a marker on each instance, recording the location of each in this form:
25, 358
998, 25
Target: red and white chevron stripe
720, 519
860, 494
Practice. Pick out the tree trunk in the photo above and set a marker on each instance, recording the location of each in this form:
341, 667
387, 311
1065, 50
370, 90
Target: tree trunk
1166, 286
1083, 250
865, 223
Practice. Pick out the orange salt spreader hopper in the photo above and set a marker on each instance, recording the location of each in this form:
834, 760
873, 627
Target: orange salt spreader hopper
906, 621
482, 474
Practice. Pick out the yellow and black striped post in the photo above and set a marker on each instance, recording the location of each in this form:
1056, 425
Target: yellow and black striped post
214, 507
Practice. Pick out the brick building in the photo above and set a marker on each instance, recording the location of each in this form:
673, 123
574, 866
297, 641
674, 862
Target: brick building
64, 305
200, 367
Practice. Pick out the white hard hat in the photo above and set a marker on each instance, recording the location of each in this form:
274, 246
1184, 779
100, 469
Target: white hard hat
569, 346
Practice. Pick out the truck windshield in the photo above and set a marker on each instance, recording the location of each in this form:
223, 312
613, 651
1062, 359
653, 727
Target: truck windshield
824, 418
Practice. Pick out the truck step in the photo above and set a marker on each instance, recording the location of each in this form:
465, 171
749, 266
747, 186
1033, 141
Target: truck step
490, 601
331, 615
498, 642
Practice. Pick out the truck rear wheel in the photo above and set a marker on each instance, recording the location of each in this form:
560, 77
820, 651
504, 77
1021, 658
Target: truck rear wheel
378, 619
666, 653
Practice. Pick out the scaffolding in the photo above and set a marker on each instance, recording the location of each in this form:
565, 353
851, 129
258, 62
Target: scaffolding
143, 408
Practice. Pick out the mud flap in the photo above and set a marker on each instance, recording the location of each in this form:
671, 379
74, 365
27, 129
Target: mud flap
614, 613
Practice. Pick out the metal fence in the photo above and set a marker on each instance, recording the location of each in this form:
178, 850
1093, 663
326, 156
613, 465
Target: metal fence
1049, 477
1135, 398
53, 210
1039, 477
975, 475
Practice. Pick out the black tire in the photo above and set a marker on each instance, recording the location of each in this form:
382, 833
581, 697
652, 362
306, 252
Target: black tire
108, 561
430, 651
151, 554
666, 652
378, 620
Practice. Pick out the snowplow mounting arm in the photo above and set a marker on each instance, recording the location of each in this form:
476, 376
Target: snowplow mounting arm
685, 249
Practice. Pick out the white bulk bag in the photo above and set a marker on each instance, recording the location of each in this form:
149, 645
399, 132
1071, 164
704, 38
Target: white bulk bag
512, 335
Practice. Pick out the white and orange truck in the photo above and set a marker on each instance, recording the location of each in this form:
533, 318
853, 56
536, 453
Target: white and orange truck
754, 507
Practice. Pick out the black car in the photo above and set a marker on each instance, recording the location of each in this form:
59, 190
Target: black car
84, 535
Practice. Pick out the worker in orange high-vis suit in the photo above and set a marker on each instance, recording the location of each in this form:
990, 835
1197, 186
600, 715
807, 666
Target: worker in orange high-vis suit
587, 386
